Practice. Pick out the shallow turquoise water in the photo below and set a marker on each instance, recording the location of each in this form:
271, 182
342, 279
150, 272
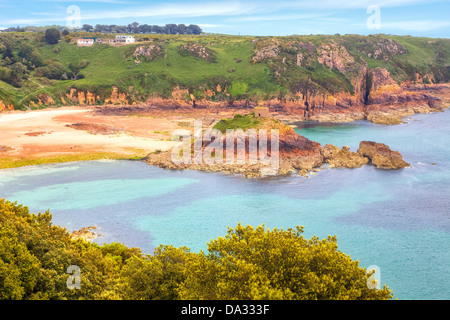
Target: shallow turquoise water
397, 220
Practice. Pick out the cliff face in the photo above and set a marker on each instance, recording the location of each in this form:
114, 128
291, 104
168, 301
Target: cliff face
321, 78
377, 93
4, 107
372, 90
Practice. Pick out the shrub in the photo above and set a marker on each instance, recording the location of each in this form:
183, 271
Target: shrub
52, 36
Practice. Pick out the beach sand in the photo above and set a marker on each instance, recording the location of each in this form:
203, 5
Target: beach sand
47, 133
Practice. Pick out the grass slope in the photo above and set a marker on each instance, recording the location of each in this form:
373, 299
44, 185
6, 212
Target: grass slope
233, 65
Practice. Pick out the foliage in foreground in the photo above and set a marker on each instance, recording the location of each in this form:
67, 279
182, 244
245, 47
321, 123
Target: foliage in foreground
248, 263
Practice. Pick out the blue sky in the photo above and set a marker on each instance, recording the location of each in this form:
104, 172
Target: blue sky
283, 17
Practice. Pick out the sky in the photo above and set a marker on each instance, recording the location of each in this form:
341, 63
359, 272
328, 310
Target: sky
256, 17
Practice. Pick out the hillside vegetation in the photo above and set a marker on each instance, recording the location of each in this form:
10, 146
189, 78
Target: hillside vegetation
217, 68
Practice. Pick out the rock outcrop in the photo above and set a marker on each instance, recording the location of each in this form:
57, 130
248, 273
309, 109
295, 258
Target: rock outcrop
198, 50
342, 158
85, 234
334, 56
94, 128
5, 148
295, 153
380, 48
5, 107
387, 118
381, 156
298, 154
148, 53
267, 50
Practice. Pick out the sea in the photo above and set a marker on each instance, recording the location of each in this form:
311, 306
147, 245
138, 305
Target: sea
395, 220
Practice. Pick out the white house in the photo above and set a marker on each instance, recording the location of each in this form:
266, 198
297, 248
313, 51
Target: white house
125, 39
85, 42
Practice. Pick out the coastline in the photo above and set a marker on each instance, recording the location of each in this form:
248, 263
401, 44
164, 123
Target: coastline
49, 136
46, 136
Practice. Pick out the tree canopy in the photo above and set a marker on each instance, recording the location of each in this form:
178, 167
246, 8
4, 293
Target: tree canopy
248, 263
137, 28
52, 36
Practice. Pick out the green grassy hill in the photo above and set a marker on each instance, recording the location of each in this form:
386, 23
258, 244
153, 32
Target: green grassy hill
229, 67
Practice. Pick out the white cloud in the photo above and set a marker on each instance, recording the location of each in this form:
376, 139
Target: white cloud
416, 25
185, 10
324, 5
206, 25
409, 25
165, 10
278, 17
93, 1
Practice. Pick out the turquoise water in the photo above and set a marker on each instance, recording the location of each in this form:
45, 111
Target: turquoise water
397, 220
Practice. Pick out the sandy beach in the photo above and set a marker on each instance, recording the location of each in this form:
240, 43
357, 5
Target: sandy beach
49, 133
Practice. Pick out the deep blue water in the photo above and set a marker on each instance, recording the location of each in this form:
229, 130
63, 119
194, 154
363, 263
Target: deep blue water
396, 220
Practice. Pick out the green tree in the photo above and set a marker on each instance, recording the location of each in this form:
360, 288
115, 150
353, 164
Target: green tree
30, 54
255, 263
75, 68
87, 27
238, 89
52, 70
19, 73
155, 277
248, 263
35, 255
19, 269
52, 36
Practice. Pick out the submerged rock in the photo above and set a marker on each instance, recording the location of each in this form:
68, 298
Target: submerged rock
381, 156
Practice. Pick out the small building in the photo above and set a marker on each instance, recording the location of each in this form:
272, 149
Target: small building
85, 42
95, 39
262, 112
125, 39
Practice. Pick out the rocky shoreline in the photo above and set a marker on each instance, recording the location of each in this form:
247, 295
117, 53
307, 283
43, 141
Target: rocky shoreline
369, 153
385, 114
388, 103
297, 155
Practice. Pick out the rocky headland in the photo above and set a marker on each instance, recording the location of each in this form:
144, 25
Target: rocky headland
297, 155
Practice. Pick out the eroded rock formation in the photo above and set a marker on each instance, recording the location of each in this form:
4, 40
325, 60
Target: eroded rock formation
381, 156
342, 158
296, 154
